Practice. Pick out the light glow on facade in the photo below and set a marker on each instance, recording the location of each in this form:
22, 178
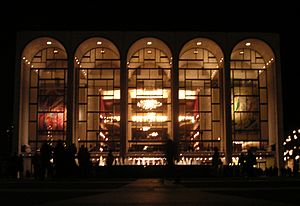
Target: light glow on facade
132, 97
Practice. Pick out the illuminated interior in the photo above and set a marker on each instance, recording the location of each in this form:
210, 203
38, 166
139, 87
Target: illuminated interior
98, 68
249, 96
149, 96
200, 125
47, 67
131, 103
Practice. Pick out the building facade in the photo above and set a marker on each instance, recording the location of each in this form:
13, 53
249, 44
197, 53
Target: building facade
131, 91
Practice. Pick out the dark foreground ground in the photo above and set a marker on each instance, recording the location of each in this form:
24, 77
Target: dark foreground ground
152, 191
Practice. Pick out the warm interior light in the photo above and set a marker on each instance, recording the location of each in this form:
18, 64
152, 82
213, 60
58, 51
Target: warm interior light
149, 104
111, 94
49, 42
149, 43
248, 44
145, 128
150, 117
186, 118
143, 94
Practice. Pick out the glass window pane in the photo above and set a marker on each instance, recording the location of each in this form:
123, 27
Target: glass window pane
264, 130
216, 112
205, 103
217, 129
191, 74
32, 131
205, 121
82, 95
32, 113
117, 78
93, 121
263, 96
107, 74
93, 103
33, 78
215, 95
33, 95
82, 113
82, 130
264, 112
263, 79
251, 74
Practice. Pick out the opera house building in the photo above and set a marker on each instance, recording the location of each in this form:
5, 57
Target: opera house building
128, 91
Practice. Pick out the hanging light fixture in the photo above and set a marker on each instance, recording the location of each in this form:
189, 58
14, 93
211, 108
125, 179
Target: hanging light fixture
149, 104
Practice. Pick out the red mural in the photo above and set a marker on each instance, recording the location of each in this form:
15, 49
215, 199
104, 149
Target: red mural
51, 112
51, 121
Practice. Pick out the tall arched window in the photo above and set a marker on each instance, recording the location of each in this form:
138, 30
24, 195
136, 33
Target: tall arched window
97, 63
149, 95
251, 63
45, 67
200, 111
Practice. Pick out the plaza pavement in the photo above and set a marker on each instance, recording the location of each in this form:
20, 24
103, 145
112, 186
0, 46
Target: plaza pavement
148, 191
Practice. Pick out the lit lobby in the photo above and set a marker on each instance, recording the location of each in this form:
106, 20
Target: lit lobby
130, 91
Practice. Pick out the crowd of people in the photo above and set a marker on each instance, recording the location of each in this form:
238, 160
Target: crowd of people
58, 162
61, 161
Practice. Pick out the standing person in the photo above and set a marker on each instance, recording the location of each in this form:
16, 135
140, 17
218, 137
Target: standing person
71, 167
171, 156
13, 165
109, 162
170, 152
110, 158
20, 166
46, 155
250, 162
242, 164
84, 161
216, 161
59, 159
37, 165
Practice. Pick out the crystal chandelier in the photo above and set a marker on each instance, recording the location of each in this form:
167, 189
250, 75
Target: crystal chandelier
149, 104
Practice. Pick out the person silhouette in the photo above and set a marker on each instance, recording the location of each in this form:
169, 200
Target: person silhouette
36, 161
59, 159
242, 164
46, 155
216, 161
13, 165
171, 157
250, 162
20, 166
110, 158
170, 152
84, 161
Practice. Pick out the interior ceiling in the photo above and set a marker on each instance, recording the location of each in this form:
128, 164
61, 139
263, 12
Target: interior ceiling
258, 45
95, 42
203, 43
39, 44
143, 43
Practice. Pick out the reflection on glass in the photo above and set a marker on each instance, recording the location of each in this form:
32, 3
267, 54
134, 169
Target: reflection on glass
199, 99
248, 100
149, 100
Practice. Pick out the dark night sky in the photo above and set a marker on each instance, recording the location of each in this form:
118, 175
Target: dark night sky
242, 19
